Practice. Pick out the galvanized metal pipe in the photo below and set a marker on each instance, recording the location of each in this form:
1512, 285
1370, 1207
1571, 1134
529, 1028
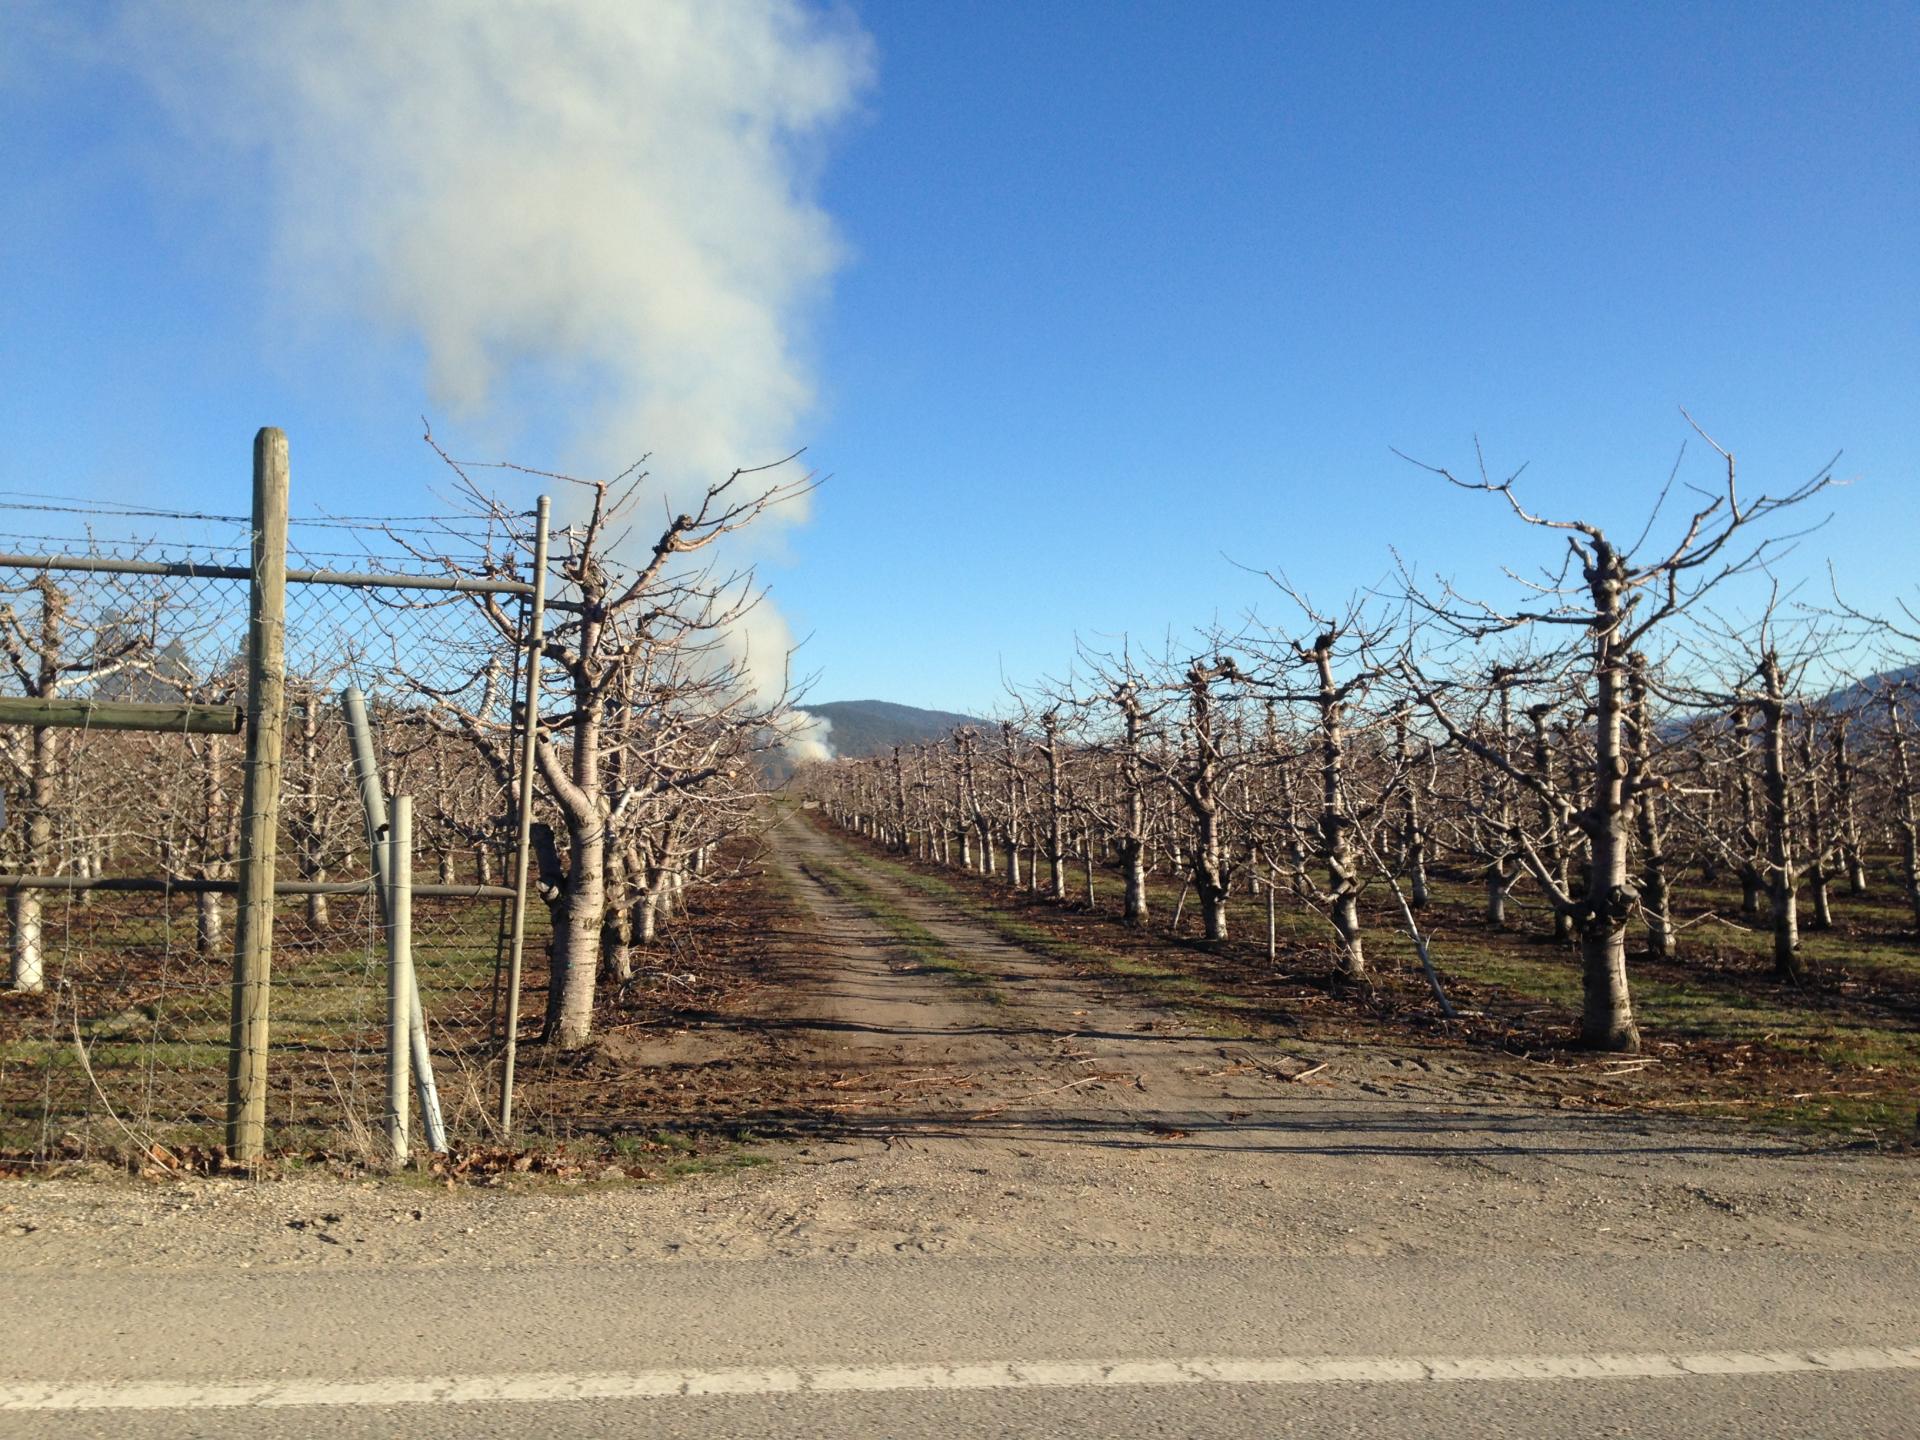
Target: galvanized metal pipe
373, 803
189, 570
399, 867
523, 836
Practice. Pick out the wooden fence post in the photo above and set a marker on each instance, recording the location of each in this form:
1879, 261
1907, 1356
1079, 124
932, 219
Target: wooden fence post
260, 802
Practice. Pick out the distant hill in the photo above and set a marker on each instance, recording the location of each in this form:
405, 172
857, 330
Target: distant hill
1854, 698
873, 727
1865, 692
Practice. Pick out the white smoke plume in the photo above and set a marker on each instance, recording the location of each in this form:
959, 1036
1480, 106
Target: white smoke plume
595, 216
809, 737
608, 198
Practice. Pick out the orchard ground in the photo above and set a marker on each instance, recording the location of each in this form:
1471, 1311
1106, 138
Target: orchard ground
863, 1058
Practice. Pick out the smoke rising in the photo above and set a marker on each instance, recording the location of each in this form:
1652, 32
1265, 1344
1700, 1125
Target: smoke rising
601, 207
809, 737
596, 219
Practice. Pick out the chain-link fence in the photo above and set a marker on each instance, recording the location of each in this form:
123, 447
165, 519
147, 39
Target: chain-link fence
121, 849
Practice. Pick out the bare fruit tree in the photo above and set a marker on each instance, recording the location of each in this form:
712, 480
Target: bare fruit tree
1329, 672
1613, 599
642, 646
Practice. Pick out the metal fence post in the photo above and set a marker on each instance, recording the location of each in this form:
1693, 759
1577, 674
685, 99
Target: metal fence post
373, 804
399, 868
530, 730
260, 804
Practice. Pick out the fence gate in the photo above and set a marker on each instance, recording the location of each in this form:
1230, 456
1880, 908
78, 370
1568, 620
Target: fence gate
188, 871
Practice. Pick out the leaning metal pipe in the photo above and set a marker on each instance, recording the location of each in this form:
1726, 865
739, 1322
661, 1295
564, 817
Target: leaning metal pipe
373, 802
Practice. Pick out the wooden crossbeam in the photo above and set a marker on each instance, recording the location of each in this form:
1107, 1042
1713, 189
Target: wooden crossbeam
153, 884
181, 719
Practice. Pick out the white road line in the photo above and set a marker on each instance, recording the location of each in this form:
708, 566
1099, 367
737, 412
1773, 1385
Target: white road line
986, 1375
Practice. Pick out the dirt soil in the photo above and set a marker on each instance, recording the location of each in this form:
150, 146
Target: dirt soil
923, 1086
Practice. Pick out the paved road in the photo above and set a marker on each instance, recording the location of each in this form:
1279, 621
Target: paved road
873, 1342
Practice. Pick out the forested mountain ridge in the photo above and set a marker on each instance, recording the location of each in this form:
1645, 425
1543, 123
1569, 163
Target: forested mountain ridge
871, 727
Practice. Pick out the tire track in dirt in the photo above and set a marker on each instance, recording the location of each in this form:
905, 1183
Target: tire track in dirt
1083, 1085
1088, 1059
1053, 1057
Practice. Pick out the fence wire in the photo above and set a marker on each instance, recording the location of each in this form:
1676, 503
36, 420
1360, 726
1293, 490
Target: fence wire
114, 1027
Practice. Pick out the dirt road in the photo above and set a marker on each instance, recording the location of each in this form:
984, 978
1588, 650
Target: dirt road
1009, 1164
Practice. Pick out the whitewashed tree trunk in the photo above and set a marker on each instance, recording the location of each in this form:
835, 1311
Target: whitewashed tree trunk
1655, 893
29, 965
1783, 868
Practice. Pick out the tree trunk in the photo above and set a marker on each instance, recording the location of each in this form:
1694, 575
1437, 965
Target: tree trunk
1056, 835
1497, 887
210, 929
576, 951
1606, 1020
582, 904
647, 922
1782, 866
1785, 904
1553, 840
1502, 870
29, 975
1133, 867
1906, 818
319, 911
616, 945
28, 967
1346, 924
1752, 882
616, 930
1132, 843
901, 840
1822, 894
1199, 789
1655, 903
1818, 843
1343, 880
1846, 817
1213, 906
304, 810
1413, 840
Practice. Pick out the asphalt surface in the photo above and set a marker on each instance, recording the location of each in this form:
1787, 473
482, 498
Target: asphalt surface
723, 1317
1855, 1406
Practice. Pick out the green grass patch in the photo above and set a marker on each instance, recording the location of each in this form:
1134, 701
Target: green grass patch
714, 1164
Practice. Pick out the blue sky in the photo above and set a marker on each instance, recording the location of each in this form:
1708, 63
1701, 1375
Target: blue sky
1127, 293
